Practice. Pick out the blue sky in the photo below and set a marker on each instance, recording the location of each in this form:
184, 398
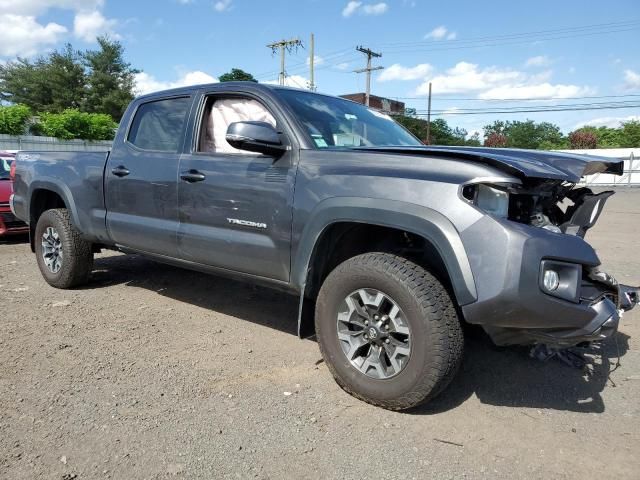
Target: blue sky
474, 53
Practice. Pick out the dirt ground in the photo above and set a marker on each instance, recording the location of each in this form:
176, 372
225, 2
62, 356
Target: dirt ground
156, 372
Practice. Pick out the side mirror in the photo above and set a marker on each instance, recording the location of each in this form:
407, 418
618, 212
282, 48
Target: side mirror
258, 137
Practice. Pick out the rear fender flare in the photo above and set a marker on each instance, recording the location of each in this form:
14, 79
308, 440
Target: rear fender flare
57, 187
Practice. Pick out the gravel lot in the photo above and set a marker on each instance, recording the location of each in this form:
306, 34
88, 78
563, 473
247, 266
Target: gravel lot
156, 372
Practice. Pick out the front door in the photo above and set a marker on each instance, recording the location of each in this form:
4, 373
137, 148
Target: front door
235, 207
141, 178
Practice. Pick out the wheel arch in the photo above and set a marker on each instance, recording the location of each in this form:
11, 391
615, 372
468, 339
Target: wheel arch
47, 194
439, 235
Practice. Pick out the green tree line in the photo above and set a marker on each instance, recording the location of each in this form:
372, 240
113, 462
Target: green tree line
526, 134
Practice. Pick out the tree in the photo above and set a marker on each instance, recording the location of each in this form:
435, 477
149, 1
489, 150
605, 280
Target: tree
110, 79
50, 83
606, 137
495, 140
581, 139
237, 75
440, 132
528, 134
630, 134
94, 81
474, 140
66, 78
14, 118
73, 123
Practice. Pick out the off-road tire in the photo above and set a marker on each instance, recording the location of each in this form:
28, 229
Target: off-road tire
77, 253
436, 333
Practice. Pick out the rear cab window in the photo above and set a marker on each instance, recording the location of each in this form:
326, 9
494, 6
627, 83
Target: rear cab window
159, 125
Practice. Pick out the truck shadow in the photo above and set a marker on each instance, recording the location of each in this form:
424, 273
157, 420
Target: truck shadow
502, 377
510, 377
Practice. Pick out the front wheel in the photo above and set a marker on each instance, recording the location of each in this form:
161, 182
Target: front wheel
388, 331
64, 258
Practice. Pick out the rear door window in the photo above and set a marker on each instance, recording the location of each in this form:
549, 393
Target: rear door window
159, 125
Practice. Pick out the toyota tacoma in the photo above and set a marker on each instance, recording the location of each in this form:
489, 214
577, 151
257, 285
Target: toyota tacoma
390, 245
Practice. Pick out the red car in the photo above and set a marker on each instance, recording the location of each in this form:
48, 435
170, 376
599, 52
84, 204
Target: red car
9, 224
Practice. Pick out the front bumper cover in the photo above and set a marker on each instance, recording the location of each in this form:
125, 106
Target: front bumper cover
512, 307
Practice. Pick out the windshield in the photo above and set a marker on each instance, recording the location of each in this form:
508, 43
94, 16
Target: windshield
5, 167
334, 122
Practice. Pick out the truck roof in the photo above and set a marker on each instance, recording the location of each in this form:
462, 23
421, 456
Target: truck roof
221, 85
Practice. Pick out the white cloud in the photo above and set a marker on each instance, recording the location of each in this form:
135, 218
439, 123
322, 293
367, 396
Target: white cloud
440, 33
467, 77
351, 8
538, 61
38, 7
23, 35
317, 60
540, 91
398, 72
354, 7
375, 8
295, 81
451, 111
342, 66
494, 83
613, 122
222, 5
631, 80
146, 83
88, 25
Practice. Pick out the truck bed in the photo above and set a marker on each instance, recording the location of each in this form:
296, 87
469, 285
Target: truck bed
76, 176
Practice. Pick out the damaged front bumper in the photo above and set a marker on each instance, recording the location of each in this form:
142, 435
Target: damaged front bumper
513, 307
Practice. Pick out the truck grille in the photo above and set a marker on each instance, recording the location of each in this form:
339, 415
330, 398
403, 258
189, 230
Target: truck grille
10, 221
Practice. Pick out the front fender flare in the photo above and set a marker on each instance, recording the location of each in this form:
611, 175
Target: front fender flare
419, 220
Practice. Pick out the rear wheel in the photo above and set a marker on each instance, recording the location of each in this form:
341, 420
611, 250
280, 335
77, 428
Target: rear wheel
64, 258
388, 331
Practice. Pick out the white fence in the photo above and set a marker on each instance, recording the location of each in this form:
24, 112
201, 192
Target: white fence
631, 157
31, 142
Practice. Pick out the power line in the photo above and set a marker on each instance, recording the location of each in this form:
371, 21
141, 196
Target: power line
485, 41
519, 107
503, 43
508, 36
470, 99
530, 110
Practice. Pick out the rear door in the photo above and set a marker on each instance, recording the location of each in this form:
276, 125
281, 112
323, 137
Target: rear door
141, 177
235, 206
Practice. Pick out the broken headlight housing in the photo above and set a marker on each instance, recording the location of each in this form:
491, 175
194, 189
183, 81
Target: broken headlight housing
492, 199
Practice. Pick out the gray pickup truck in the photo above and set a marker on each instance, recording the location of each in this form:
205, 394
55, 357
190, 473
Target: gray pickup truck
389, 244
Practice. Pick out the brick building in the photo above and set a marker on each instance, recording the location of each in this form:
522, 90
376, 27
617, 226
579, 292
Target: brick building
379, 103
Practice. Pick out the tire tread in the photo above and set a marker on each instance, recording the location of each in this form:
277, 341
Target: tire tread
443, 322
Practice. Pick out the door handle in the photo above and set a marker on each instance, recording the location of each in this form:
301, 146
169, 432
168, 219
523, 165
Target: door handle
120, 171
192, 176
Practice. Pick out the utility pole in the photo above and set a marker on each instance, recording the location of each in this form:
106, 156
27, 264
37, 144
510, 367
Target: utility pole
429, 117
370, 54
312, 59
284, 46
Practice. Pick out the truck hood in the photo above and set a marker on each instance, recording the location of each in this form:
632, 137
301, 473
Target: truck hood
521, 163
